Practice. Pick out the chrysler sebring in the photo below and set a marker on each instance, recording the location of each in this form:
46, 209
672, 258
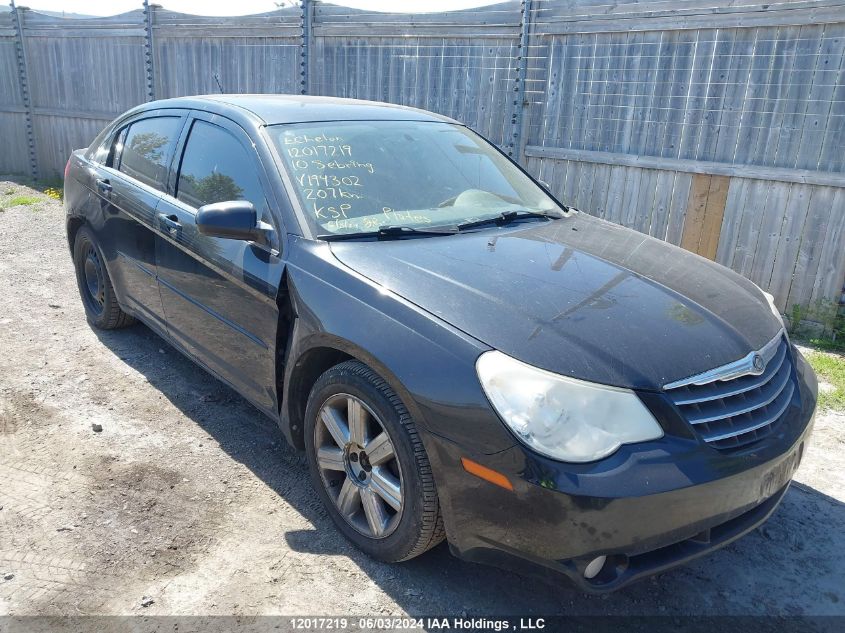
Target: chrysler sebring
460, 355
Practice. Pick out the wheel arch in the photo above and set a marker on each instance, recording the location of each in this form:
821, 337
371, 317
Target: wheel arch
73, 224
322, 352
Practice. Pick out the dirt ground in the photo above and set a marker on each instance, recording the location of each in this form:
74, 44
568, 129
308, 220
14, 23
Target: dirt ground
190, 502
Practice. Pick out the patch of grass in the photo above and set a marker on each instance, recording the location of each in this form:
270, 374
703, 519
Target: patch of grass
830, 369
20, 201
826, 344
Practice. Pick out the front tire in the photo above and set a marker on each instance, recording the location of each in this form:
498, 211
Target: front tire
95, 287
369, 466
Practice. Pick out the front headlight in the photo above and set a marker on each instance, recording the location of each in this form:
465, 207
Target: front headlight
563, 418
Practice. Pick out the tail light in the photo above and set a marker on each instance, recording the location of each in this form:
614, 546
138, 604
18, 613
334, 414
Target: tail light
67, 168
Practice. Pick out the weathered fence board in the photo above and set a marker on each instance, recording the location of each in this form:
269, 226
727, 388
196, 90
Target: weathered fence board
60, 56
250, 54
465, 75
13, 135
10, 91
13, 156
717, 125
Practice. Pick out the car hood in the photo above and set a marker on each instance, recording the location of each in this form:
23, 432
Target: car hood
577, 296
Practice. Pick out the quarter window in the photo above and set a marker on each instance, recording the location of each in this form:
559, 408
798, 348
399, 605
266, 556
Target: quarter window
103, 152
147, 148
113, 155
217, 168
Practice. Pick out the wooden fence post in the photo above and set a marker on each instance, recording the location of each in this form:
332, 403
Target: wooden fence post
514, 144
23, 81
307, 7
149, 62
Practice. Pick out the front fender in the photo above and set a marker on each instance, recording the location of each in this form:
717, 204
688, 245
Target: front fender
426, 361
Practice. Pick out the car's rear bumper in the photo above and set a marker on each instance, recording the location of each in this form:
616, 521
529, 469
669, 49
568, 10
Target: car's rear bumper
647, 508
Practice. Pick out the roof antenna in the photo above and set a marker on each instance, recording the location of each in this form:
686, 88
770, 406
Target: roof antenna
219, 85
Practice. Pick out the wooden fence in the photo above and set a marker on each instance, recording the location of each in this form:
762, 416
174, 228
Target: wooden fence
717, 125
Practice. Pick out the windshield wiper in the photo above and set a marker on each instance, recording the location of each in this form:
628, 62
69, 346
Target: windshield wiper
385, 233
505, 217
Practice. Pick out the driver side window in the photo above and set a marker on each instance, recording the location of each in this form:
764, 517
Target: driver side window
216, 168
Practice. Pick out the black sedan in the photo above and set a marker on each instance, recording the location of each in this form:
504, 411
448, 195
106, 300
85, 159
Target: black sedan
460, 355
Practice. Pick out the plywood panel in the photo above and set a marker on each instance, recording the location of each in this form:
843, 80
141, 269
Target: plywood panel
713, 215
697, 207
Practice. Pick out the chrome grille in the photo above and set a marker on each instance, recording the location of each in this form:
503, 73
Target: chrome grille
737, 411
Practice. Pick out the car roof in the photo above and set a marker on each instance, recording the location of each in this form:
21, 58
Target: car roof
273, 109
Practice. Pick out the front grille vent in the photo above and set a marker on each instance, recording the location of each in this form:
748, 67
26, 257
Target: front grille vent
730, 414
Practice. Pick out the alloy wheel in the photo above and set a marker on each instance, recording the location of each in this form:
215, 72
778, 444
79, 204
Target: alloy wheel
358, 465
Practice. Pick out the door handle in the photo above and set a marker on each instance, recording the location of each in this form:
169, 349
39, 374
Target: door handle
169, 222
103, 185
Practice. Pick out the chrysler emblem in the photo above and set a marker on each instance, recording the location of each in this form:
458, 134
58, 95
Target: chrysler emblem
752, 364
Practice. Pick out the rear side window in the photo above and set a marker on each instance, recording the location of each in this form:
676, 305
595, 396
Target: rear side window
217, 168
104, 146
147, 148
113, 155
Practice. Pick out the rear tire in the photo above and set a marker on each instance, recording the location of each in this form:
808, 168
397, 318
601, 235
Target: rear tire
95, 287
369, 466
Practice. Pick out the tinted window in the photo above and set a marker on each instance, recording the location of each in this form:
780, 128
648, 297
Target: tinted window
147, 149
102, 147
216, 168
113, 155
105, 146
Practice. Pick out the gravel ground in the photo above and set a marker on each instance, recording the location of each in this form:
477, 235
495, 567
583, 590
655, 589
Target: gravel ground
188, 500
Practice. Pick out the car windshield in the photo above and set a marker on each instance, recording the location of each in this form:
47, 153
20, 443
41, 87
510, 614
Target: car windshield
359, 176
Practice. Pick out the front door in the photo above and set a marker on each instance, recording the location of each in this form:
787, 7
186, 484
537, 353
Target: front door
219, 295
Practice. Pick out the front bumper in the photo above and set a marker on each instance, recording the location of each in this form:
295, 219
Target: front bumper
649, 507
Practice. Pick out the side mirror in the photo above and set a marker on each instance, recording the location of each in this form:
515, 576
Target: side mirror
234, 220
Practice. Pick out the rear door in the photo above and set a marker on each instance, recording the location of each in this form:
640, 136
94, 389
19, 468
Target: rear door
219, 295
129, 183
